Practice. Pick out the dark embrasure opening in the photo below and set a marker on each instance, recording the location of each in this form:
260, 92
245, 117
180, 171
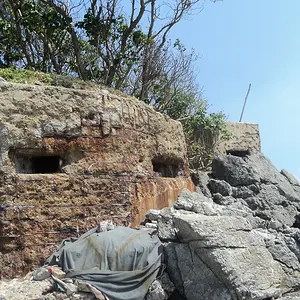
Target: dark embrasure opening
167, 167
45, 164
38, 164
239, 153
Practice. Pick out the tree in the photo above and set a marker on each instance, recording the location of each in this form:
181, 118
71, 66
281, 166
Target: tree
93, 39
122, 41
166, 75
33, 36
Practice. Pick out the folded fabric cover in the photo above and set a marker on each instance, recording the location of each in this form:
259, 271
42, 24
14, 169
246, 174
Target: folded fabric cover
121, 263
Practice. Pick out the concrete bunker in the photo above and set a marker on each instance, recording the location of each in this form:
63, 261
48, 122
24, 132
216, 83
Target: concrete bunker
77, 158
243, 136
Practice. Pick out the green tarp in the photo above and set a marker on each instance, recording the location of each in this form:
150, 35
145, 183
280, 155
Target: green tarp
121, 263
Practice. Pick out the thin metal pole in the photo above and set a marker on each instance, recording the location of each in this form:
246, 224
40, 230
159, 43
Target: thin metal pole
245, 102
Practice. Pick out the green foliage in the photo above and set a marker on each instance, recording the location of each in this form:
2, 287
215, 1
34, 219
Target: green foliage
94, 40
204, 131
34, 77
9, 50
33, 36
112, 38
25, 76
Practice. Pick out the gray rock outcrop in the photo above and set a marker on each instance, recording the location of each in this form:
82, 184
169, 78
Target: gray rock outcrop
240, 243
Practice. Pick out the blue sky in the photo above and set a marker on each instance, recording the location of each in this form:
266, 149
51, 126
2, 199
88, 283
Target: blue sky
257, 42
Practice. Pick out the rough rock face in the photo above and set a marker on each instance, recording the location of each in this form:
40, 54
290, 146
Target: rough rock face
23, 289
26, 289
238, 237
72, 158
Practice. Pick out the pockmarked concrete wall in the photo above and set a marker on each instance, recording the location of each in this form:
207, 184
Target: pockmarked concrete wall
72, 158
245, 138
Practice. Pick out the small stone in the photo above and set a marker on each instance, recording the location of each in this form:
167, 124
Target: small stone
106, 225
156, 291
41, 274
220, 186
151, 225
71, 288
58, 272
82, 286
153, 214
166, 230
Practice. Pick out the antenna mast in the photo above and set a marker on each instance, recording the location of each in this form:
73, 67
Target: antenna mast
249, 88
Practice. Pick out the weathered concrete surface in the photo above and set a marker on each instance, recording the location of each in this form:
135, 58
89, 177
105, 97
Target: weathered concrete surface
157, 193
245, 137
109, 159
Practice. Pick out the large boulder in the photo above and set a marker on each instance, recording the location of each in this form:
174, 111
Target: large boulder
257, 184
238, 236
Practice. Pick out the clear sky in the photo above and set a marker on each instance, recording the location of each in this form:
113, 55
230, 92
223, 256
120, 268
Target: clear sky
257, 42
